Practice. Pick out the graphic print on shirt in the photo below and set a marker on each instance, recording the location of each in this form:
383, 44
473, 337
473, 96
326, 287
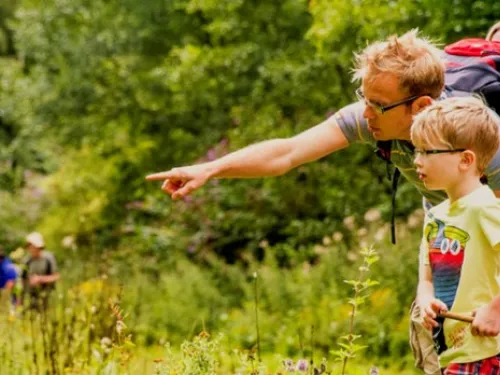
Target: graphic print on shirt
446, 256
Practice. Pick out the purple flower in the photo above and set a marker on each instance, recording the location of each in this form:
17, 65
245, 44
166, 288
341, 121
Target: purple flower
211, 155
302, 365
289, 366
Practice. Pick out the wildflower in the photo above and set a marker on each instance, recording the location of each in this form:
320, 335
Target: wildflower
349, 222
352, 255
211, 155
372, 215
326, 241
337, 236
105, 342
362, 232
302, 365
381, 233
120, 326
289, 365
415, 220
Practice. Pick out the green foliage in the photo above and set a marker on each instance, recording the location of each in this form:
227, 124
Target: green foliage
359, 287
96, 94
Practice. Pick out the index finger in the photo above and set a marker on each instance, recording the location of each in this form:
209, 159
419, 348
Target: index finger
159, 176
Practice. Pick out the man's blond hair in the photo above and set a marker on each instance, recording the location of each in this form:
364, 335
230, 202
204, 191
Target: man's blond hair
415, 60
493, 31
464, 122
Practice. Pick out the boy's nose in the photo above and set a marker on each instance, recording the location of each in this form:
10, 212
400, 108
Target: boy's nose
418, 160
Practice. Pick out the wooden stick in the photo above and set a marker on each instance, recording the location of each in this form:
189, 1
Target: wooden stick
462, 317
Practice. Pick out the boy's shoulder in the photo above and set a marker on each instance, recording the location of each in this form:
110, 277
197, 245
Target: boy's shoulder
483, 200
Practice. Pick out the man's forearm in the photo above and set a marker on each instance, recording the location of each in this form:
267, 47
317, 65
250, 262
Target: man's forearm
278, 156
264, 159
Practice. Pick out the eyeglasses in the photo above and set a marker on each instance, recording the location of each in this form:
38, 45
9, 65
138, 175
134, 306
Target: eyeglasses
421, 151
381, 109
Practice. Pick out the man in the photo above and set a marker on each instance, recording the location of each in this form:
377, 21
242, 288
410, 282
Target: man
40, 274
399, 78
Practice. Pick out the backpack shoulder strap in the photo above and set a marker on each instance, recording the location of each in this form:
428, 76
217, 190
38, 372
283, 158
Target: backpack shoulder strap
48, 265
383, 151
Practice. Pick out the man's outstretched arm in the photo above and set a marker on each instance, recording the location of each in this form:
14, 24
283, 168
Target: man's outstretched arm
269, 158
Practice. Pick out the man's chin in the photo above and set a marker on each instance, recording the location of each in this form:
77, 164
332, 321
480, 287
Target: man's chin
379, 136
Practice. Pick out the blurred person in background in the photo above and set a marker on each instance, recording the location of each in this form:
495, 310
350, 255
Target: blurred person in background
40, 272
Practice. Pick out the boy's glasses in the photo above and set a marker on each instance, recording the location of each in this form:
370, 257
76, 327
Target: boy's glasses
422, 151
381, 109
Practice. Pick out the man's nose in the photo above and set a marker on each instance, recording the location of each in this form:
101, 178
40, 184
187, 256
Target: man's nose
369, 112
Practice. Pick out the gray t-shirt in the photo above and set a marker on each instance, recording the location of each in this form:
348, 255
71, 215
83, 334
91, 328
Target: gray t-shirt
355, 128
44, 265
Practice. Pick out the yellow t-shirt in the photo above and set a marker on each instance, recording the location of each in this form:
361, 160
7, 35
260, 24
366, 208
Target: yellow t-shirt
462, 246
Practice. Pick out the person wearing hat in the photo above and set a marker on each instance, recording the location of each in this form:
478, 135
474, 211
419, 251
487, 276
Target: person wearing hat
40, 273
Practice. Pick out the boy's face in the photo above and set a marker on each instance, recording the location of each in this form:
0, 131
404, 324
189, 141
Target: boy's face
438, 166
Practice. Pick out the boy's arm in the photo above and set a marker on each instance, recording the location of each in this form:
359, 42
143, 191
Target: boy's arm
429, 305
487, 319
425, 289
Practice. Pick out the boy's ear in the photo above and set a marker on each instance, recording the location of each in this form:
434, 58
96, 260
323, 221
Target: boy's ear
421, 103
468, 158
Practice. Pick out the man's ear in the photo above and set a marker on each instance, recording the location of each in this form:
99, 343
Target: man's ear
420, 103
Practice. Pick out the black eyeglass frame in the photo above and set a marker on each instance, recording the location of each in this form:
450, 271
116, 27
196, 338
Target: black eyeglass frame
437, 151
381, 109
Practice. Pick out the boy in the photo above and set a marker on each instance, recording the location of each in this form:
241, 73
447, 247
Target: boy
455, 139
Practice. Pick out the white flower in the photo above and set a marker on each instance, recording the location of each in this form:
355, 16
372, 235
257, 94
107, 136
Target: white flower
337, 236
105, 342
120, 326
349, 222
372, 215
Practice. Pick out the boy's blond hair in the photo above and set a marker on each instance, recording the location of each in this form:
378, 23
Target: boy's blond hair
464, 122
415, 60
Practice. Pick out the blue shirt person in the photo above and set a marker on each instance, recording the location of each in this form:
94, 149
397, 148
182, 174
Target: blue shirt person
8, 273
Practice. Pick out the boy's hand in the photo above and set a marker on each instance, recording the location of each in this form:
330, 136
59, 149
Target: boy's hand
486, 320
430, 312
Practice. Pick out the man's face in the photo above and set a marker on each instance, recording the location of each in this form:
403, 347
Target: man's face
395, 123
34, 251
